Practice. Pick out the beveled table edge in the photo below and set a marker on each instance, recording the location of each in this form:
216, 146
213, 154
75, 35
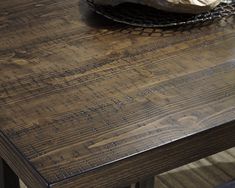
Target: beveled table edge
32, 178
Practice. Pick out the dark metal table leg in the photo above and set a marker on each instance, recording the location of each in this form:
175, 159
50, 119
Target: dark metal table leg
8, 178
148, 183
132, 186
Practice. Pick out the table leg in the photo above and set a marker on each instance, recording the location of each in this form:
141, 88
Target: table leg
8, 178
148, 183
132, 186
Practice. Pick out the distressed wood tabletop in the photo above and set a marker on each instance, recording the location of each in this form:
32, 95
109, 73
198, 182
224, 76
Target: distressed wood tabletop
85, 102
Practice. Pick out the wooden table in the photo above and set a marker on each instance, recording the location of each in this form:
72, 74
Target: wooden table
85, 102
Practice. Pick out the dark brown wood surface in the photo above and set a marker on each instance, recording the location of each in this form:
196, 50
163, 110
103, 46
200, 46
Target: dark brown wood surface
85, 102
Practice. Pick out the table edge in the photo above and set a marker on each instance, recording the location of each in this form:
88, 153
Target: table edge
227, 137
33, 178
9, 153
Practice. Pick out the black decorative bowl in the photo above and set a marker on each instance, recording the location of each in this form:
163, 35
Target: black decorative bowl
143, 16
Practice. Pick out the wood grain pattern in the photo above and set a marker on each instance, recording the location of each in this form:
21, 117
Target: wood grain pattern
81, 98
214, 171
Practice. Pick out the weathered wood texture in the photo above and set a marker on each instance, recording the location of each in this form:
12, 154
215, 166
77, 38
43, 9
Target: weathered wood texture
214, 171
84, 99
